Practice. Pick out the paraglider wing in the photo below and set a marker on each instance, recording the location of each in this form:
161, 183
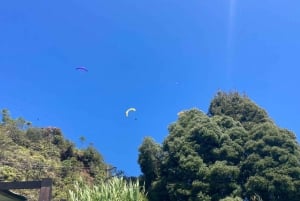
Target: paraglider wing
130, 110
82, 68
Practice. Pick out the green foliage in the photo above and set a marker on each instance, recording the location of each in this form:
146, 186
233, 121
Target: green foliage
115, 189
149, 160
8, 173
31, 153
234, 152
34, 134
240, 108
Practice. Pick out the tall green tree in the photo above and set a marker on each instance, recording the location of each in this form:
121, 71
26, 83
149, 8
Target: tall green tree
234, 152
150, 156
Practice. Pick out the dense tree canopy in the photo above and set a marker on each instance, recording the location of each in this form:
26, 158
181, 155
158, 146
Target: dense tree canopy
232, 153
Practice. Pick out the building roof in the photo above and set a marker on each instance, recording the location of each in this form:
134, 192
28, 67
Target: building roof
6, 195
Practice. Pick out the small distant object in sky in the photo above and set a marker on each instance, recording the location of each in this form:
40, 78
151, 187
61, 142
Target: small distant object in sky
82, 69
129, 110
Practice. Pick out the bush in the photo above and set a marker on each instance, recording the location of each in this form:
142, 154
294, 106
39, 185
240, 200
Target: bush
115, 189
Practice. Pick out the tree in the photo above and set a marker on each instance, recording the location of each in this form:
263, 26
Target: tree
82, 140
150, 156
234, 152
240, 108
5, 116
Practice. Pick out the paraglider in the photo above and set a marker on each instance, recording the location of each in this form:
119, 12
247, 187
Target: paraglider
82, 69
129, 110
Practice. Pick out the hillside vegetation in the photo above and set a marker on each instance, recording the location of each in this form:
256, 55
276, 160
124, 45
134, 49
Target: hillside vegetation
232, 153
31, 153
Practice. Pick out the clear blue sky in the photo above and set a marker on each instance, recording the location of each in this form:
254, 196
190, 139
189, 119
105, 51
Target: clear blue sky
159, 56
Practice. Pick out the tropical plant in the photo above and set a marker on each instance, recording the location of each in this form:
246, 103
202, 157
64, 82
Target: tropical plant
114, 189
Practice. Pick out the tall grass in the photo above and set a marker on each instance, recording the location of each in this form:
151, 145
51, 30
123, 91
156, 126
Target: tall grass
115, 189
